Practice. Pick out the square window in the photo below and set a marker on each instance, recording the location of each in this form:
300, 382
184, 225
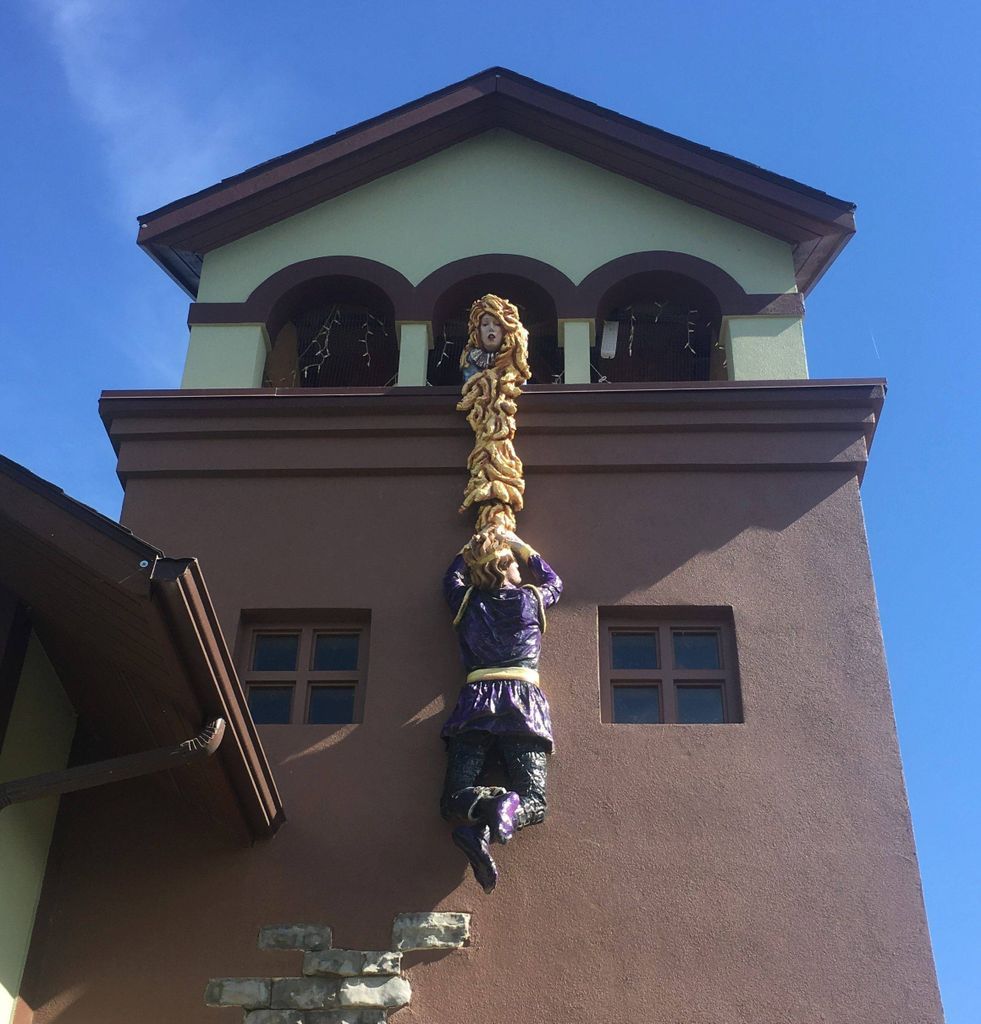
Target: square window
674, 666
275, 652
335, 652
700, 705
323, 657
331, 705
636, 704
270, 705
634, 650
696, 648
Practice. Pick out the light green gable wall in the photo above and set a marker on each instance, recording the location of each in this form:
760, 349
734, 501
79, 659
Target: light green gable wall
38, 738
499, 192
764, 347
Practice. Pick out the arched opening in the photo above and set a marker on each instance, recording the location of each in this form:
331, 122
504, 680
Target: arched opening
657, 326
537, 309
336, 331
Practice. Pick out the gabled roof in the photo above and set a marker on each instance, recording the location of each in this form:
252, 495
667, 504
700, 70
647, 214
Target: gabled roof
817, 225
136, 644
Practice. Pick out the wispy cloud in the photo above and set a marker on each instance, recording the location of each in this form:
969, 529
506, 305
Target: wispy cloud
170, 114
168, 127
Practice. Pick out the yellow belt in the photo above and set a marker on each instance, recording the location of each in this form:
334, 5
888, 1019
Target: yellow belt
526, 675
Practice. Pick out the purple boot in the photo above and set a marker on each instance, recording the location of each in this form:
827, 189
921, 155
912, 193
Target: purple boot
499, 814
474, 840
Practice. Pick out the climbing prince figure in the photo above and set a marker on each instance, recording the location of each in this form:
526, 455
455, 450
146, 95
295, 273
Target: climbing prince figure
501, 715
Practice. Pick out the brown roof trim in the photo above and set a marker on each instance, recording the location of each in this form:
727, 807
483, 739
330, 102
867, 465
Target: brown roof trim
73, 566
817, 224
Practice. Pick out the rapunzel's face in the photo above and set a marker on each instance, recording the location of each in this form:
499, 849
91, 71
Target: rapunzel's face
491, 333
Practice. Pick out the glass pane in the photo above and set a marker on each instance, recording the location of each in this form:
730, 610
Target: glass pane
700, 705
335, 652
331, 705
275, 652
636, 704
270, 705
696, 649
634, 650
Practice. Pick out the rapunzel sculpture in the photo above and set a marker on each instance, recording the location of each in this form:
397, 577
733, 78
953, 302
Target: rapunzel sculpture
501, 713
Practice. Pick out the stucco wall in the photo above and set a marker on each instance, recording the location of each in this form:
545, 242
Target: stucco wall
38, 738
499, 192
754, 873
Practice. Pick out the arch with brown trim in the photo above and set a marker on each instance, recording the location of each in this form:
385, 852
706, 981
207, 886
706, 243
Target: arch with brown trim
733, 300
431, 289
270, 303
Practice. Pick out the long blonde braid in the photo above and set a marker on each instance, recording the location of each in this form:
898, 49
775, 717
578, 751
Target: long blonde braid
490, 400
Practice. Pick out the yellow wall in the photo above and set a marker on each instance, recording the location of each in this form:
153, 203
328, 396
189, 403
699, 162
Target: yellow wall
38, 738
498, 192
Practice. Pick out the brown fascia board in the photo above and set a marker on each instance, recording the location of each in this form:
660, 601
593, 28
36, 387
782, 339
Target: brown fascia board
159, 405
178, 585
816, 223
104, 553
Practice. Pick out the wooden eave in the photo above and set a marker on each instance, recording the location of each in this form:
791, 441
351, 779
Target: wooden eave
136, 644
815, 224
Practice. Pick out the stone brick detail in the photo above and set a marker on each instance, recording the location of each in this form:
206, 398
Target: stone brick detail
430, 931
338, 986
303, 994
315, 1017
348, 963
383, 993
276, 1017
308, 937
346, 1017
381, 962
246, 992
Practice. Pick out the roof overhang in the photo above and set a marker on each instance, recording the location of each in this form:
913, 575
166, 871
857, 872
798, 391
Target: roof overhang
815, 224
136, 644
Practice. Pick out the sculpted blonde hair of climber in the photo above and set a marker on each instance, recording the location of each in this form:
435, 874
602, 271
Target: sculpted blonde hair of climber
488, 556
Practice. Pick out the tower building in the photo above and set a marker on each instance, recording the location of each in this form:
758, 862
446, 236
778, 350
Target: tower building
727, 836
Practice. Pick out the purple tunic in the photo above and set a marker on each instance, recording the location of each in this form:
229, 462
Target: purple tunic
501, 629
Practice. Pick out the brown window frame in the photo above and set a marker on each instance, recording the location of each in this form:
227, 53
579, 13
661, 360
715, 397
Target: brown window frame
303, 680
663, 623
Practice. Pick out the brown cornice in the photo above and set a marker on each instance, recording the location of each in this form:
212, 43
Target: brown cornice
589, 428
816, 224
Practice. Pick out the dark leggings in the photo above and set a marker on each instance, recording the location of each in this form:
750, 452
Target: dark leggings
525, 764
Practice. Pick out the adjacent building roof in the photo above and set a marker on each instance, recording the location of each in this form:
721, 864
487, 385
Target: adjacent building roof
136, 644
817, 225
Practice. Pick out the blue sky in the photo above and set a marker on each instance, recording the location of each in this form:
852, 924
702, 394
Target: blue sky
114, 107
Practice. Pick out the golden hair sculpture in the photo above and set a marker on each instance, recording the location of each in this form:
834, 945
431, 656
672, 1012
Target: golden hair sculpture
492, 384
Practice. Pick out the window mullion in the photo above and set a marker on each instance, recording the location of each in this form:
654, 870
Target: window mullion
669, 699
304, 661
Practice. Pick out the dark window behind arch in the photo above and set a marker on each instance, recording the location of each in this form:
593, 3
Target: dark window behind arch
657, 326
537, 310
338, 332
